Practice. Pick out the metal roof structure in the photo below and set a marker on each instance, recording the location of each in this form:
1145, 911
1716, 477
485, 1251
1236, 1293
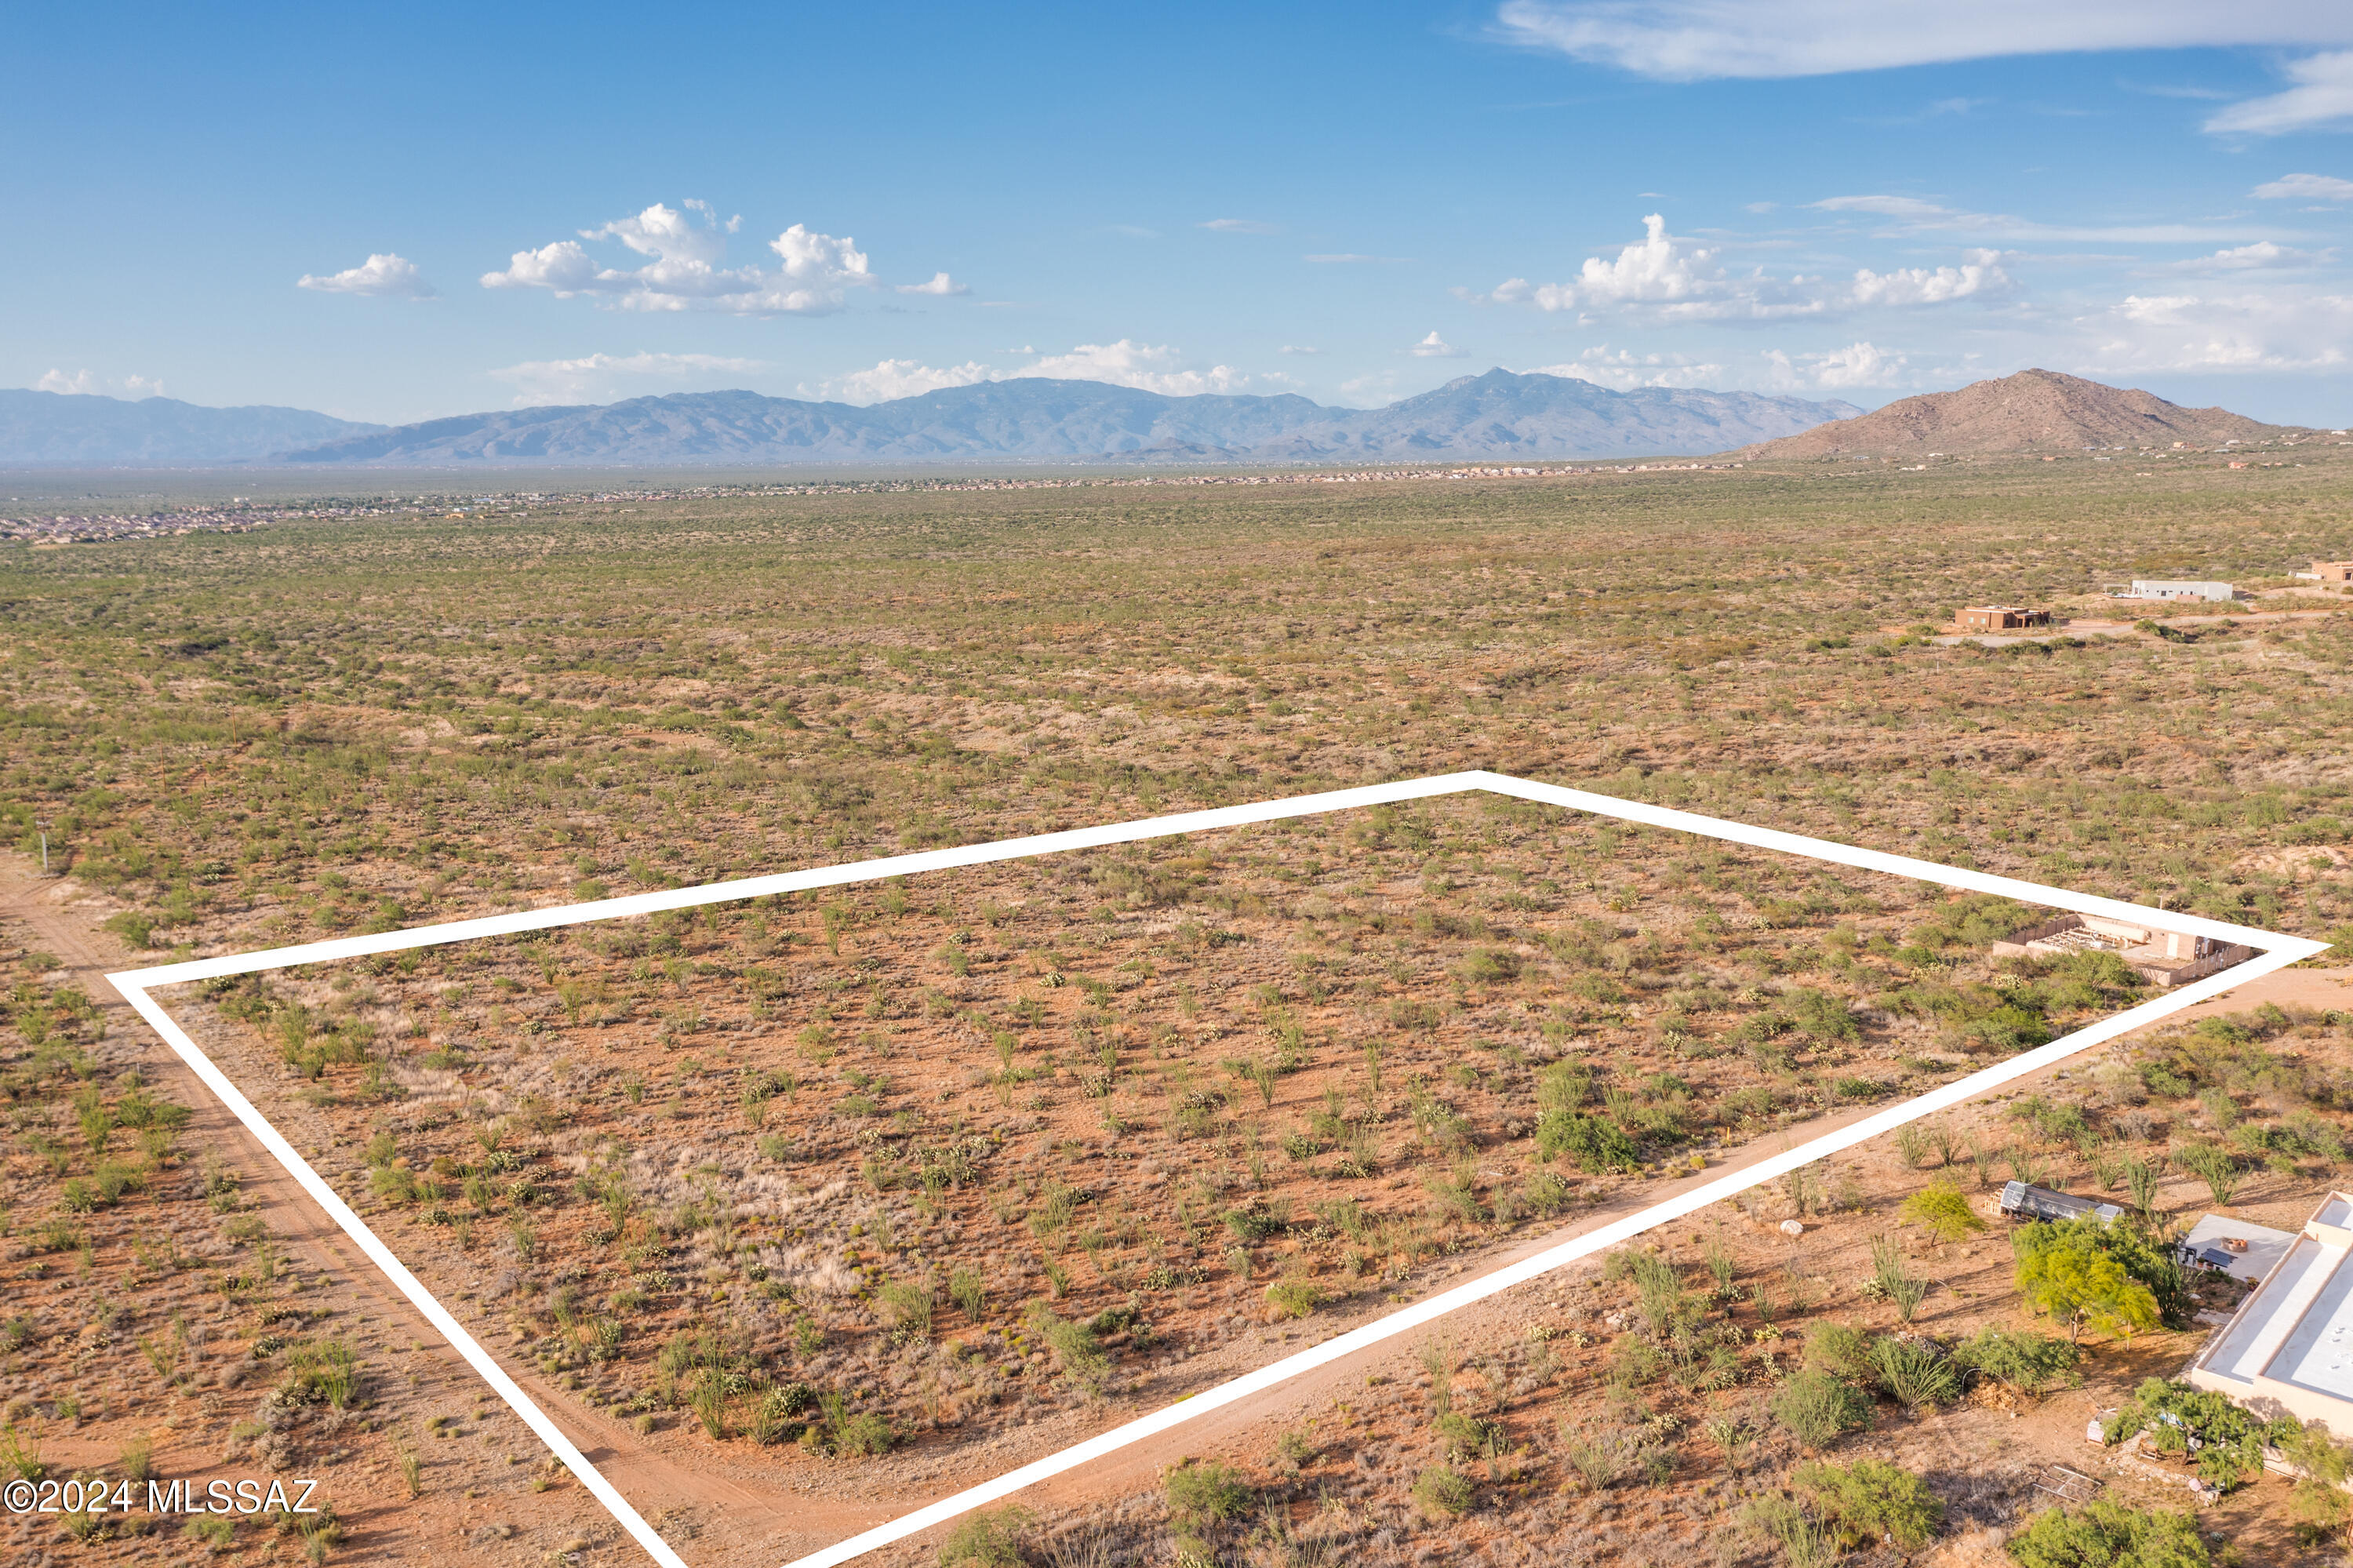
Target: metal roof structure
2042, 1203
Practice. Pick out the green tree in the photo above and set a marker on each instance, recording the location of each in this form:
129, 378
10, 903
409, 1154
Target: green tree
2318, 1502
1872, 1499
2228, 1440
2110, 1535
2065, 1270
2155, 1265
1943, 1211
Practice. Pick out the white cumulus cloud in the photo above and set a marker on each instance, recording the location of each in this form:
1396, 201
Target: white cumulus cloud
1624, 370
2321, 96
1147, 367
602, 377
892, 378
385, 277
1665, 277
83, 384
1909, 215
1435, 347
1859, 364
2278, 330
2305, 187
940, 284
1688, 40
1981, 273
684, 271
2264, 255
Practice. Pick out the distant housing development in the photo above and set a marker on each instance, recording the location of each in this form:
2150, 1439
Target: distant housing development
2289, 1347
2165, 958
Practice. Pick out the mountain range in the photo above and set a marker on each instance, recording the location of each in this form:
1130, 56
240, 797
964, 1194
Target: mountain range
1497, 416
41, 429
2034, 410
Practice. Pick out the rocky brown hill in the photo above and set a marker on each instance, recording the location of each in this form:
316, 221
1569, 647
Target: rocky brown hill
2034, 410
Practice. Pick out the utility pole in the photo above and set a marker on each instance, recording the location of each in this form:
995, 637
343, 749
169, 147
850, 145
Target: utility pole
42, 824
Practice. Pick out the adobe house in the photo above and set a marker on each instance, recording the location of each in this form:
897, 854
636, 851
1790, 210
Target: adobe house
2167, 959
1998, 617
2331, 571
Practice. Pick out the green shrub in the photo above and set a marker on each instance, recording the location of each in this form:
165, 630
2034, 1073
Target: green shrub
2024, 1359
393, 1183
326, 1372
1805, 1541
135, 928
1818, 1408
217, 1533
910, 1307
1592, 1143
1203, 1492
20, 1455
1564, 1086
1442, 1493
1252, 1225
1838, 1348
1546, 1193
1913, 1373
1872, 1499
987, 1540
1294, 1297
1082, 1359
1468, 1437
2110, 1535
864, 1435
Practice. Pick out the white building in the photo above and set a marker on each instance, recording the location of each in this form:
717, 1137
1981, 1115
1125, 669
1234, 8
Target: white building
2147, 589
2289, 1347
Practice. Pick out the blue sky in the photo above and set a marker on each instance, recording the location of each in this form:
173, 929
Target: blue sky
398, 215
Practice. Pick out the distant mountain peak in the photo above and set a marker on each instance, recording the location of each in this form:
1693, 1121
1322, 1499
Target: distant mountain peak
84, 430
2033, 410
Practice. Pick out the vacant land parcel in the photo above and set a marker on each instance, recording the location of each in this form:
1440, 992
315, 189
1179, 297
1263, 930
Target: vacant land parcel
236, 741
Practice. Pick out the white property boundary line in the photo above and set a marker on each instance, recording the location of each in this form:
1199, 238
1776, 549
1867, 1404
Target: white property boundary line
2275, 951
